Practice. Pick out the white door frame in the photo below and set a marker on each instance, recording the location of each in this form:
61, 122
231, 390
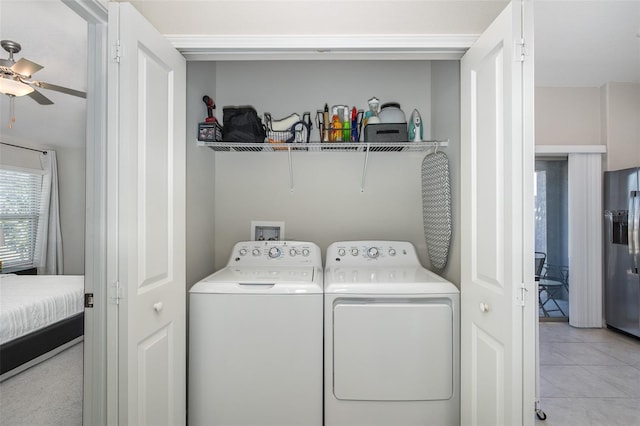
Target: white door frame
97, 404
94, 398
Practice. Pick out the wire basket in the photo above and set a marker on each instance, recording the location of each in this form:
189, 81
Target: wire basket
339, 132
298, 133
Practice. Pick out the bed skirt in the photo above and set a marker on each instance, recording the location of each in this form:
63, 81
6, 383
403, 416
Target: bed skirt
22, 350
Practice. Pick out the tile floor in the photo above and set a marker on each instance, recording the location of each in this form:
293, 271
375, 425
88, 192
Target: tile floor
588, 376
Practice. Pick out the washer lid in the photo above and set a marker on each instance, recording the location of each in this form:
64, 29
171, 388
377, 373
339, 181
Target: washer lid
391, 280
262, 280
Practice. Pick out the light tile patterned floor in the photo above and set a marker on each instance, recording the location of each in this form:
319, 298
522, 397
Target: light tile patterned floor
588, 376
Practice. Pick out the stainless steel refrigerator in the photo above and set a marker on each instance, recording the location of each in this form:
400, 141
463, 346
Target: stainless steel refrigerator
622, 249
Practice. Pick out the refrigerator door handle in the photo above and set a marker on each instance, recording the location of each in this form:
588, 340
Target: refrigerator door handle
608, 223
634, 232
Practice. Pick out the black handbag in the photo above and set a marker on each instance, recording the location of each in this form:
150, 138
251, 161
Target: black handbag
242, 124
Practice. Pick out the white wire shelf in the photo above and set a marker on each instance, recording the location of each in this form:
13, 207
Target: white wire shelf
363, 147
326, 146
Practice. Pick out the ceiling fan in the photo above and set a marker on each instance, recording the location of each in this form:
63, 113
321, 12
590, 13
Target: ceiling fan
15, 77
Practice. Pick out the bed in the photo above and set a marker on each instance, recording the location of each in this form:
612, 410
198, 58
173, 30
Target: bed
40, 315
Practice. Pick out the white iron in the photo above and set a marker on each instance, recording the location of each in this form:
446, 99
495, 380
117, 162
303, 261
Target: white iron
415, 127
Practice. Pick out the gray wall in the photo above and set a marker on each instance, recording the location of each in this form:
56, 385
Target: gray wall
284, 87
71, 181
445, 101
200, 176
326, 204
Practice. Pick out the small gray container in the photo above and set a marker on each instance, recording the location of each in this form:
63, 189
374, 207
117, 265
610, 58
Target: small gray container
386, 132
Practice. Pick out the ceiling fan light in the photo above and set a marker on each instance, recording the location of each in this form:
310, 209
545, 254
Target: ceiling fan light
12, 87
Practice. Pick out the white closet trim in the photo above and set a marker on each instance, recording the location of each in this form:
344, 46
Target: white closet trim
98, 408
347, 46
570, 149
585, 240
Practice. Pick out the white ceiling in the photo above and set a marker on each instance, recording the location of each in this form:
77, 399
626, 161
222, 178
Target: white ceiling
577, 43
586, 43
55, 37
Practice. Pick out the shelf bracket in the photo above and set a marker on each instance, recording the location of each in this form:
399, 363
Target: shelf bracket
364, 168
290, 169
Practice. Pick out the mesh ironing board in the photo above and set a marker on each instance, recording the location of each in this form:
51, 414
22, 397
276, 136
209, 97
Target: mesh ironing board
436, 208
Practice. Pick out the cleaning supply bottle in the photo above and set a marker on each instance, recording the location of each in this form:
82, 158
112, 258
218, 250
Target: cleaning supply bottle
336, 133
354, 125
325, 124
346, 127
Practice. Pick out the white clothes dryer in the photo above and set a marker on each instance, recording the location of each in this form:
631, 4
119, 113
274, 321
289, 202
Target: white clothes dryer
255, 338
392, 338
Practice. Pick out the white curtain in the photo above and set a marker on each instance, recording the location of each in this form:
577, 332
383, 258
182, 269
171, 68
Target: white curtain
49, 242
585, 240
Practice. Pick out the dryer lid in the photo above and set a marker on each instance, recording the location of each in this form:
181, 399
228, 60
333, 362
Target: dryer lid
389, 280
262, 280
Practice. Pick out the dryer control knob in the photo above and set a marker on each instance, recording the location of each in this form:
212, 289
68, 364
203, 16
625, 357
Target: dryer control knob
243, 252
292, 252
274, 252
256, 252
373, 252
392, 252
354, 251
305, 252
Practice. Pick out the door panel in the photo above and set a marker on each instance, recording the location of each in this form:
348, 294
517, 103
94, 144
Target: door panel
366, 336
494, 151
153, 171
154, 355
487, 392
488, 173
154, 80
147, 183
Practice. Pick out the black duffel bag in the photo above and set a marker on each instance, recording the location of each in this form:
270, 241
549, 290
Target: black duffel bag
242, 124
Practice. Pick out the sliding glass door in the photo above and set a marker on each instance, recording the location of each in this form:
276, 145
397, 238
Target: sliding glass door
552, 236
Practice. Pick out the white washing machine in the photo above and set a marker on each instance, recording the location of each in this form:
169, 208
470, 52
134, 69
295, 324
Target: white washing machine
392, 338
255, 338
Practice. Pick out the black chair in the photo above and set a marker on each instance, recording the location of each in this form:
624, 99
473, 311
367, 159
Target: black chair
553, 282
540, 258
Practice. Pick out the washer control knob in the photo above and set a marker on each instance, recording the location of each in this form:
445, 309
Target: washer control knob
373, 252
305, 252
342, 252
274, 252
292, 252
392, 252
354, 251
256, 252
243, 251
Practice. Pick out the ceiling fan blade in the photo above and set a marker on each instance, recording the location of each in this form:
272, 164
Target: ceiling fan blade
60, 89
26, 67
40, 98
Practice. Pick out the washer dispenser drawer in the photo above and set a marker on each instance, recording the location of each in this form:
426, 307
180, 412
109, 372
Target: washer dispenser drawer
392, 350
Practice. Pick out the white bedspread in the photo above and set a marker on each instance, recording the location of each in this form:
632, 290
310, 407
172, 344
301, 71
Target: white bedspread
31, 302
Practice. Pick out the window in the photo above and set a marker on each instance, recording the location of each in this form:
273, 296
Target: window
552, 215
20, 207
552, 234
